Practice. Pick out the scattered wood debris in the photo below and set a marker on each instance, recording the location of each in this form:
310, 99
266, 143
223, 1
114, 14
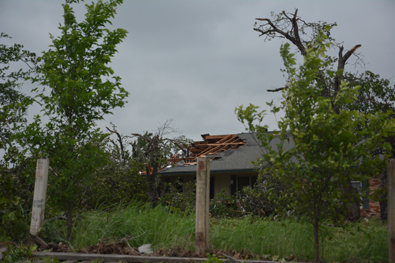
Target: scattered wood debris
211, 146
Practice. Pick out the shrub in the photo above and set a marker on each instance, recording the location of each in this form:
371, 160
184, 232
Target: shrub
180, 196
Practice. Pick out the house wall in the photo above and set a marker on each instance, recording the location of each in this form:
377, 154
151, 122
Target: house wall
374, 206
222, 181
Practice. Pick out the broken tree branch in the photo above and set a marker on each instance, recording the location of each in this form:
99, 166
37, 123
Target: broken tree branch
278, 89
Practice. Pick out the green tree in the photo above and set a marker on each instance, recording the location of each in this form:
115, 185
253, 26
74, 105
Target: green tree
81, 90
15, 184
330, 149
13, 103
154, 150
375, 94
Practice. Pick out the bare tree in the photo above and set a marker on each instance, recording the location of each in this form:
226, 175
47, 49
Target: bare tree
294, 29
119, 145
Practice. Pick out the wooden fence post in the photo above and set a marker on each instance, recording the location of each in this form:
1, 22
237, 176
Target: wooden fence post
391, 210
202, 203
40, 193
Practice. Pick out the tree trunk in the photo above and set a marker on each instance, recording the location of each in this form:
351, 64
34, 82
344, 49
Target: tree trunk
316, 240
69, 221
352, 212
383, 198
152, 185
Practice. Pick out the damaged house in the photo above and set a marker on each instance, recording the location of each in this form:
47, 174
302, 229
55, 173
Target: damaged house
232, 166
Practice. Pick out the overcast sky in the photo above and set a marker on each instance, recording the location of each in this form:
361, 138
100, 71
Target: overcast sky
195, 61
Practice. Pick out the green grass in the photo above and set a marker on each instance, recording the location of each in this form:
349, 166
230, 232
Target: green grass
138, 223
358, 242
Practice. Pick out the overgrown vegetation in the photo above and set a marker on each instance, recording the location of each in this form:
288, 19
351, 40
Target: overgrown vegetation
323, 142
277, 238
96, 182
15, 168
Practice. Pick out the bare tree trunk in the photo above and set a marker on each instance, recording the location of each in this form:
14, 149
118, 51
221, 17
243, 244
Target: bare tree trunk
69, 221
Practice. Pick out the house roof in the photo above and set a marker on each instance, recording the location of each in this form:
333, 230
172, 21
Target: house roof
228, 153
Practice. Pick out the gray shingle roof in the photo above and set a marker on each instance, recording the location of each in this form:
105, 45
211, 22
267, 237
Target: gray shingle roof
233, 160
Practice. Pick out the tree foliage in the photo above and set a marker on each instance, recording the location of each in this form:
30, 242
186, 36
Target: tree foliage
15, 181
375, 93
13, 103
154, 150
79, 89
328, 146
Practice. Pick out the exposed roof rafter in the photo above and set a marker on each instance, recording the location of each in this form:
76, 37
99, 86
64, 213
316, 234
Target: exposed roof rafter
212, 145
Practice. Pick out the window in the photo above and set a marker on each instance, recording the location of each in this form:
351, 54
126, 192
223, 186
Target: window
239, 182
242, 181
362, 188
212, 187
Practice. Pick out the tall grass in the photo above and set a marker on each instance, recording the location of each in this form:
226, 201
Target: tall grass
359, 242
264, 237
138, 223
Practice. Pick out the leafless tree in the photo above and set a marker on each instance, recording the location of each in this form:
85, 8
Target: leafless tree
291, 27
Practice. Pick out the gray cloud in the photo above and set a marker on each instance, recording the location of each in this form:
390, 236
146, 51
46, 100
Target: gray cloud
195, 61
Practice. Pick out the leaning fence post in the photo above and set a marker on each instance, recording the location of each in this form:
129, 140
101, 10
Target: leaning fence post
202, 203
391, 210
40, 193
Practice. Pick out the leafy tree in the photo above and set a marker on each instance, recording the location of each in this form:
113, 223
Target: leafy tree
375, 93
154, 151
14, 104
79, 89
120, 180
330, 149
15, 184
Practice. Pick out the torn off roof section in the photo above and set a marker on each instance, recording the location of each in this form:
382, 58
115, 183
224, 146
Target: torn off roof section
211, 146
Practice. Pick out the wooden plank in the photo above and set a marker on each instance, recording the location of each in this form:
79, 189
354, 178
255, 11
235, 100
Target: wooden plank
391, 209
182, 159
128, 258
116, 258
38, 240
226, 138
219, 137
202, 203
40, 193
218, 144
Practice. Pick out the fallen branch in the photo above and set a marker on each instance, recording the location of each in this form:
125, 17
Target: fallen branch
63, 217
127, 243
38, 240
125, 240
232, 259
